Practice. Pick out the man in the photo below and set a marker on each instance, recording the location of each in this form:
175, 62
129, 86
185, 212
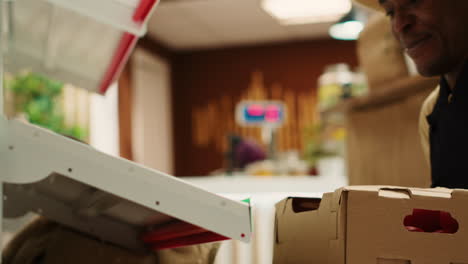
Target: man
434, 34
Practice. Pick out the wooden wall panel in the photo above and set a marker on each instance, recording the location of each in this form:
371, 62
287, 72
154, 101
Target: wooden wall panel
383, 145
125, 113
208, 84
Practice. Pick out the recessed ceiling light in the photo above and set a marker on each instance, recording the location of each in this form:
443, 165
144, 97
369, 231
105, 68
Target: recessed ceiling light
306, 11
348, 30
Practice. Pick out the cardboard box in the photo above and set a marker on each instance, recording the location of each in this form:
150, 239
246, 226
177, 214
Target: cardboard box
366, 225
380, 55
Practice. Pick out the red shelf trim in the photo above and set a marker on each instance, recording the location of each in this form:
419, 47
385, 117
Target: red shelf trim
126, 45
143, 10
179, 234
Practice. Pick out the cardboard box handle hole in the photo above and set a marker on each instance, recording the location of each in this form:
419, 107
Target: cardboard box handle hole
305, 204
430, 221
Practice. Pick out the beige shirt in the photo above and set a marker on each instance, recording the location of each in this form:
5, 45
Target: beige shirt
427, 108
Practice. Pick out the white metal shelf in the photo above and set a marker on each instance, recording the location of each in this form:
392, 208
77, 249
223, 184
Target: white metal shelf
106, 197
84, 42
116, 13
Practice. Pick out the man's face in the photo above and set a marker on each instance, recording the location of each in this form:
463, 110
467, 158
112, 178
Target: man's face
434, 33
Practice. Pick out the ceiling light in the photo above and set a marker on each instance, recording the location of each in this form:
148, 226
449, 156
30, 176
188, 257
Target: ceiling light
349, 26
306, 11
346, 31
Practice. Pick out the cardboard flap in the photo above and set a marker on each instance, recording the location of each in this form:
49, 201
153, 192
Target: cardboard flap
367, 188
404, 192
437, 193
459, 194
287, 211
336, 200
281, 207
298, 219
395, 193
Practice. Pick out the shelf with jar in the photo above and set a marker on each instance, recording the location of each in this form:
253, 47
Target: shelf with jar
385, 94
337, 86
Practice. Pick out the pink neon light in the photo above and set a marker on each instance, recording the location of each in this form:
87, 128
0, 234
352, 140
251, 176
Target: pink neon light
255, 110
272, 113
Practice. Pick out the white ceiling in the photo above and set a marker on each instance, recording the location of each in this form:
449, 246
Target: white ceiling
203, 24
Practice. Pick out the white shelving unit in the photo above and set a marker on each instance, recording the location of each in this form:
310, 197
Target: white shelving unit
85, 42
106, 197
117, 13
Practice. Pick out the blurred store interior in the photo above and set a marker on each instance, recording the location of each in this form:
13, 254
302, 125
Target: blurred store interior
250, 98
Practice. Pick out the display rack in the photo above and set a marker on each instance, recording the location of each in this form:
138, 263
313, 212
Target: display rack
127, 15
104, 196
84, 42
110, 198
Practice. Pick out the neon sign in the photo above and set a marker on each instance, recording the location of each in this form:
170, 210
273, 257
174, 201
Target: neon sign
260, 113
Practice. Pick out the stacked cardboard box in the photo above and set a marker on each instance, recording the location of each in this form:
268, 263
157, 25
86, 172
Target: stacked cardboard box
369, 225
381, 55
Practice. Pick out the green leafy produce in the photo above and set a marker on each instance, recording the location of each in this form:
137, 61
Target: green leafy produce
36, 96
